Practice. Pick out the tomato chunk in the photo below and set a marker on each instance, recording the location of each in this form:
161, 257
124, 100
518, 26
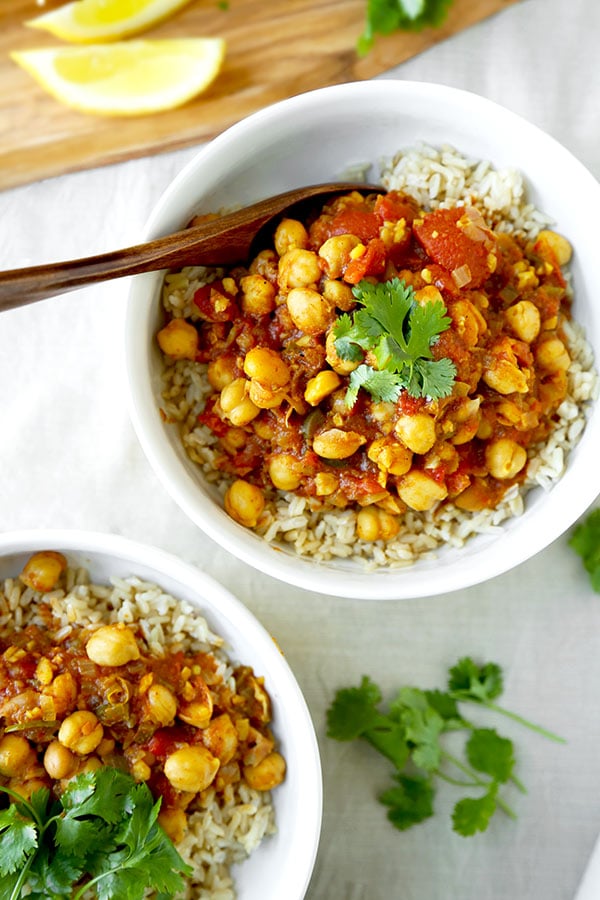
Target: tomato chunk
448, 244
372, 262
215, 304
363, 224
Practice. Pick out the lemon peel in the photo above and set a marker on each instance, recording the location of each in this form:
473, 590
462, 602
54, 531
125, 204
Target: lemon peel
91, 21
126, 78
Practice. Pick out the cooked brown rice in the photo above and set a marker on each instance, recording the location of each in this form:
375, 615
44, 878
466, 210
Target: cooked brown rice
220, 834
435, 177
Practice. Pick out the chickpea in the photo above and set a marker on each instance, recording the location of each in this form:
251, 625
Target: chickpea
320, 386
505, 376
339, 365
221, 372
552, 355
290, 233
468, 321
326, 483
549, 244
298, 268
310, 311
236, 405
505, 458
264, 397
221, 738
267, 774
81, 732
179, 339
90, 764
265, 263
416, 432
336, 253
266, 365
197, 712
44, 672
474, 498
112, 645
286, 471
419, 491
162, 704
63, 691
339, 294
258, 295
16, 756
42, 571
105, 747
173, 822
140, 770
25, 789
524, 320
59, 762
244, 502
373, 524
191, 768
337, 444
393, 457
234, 439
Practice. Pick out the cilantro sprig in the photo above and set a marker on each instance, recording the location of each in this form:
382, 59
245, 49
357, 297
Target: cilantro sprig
398, 333
386, 16
410, 734
102, 835
585, 541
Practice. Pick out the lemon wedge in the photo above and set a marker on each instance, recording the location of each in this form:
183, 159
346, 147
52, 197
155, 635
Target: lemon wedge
126, 78
88, 21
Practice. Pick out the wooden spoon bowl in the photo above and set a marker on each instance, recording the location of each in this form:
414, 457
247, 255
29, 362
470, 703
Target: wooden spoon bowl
223, 240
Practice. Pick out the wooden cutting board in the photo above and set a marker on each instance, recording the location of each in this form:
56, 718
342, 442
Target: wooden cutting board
275, 50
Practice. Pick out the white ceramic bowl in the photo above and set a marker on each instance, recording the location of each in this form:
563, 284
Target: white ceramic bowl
282, 865
314, 137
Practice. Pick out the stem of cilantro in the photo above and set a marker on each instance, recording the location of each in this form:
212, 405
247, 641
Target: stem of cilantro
476, 781
458, 695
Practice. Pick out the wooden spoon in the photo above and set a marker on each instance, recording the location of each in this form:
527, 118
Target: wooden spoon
223, 240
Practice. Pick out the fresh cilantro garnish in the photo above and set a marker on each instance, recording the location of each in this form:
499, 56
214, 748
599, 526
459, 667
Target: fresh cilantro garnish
410, 734
102, 835
385, 16
398, 333
585, 541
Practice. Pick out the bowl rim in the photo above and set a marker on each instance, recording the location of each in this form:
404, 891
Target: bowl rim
358, 584
212, 594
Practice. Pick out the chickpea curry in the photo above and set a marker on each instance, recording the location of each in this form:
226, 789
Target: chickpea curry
290, 406
94, 697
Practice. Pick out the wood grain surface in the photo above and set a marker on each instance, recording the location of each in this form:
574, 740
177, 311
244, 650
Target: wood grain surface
274, 50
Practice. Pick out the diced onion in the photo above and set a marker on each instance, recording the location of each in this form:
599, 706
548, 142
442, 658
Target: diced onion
461, 276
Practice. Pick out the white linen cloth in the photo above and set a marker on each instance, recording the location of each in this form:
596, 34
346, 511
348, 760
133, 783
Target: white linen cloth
69, 458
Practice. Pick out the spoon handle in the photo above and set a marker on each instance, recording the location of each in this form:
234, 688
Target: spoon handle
214, 242
222, 240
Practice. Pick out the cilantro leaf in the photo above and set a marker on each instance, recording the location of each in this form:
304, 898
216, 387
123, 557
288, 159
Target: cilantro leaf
472, 814
410, 734
446, 707
585, 541
102, 836
18, 838
353, 711
488, 752
386, 16
410, 802
467, 680
381, 384
423, 726
399, 334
